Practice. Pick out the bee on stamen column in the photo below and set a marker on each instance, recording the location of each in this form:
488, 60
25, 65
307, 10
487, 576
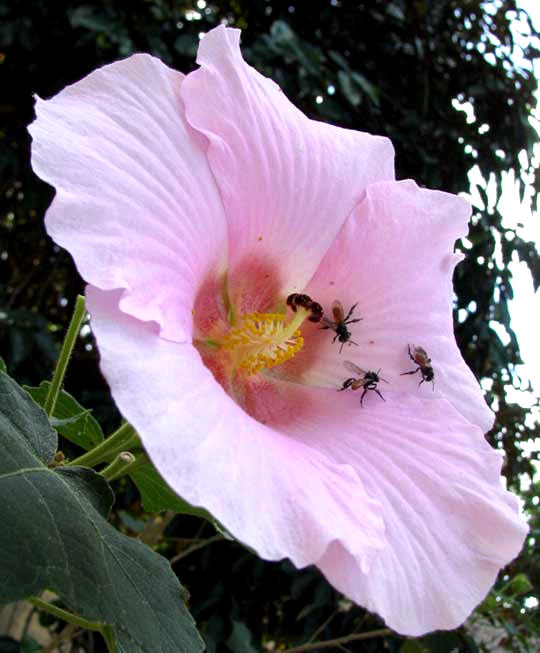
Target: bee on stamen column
339, 325
419, 356
296, 299
366, 380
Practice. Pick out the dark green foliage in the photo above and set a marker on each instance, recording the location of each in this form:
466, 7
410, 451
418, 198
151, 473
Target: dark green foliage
8, 645
240, 639
55, 536
387, 67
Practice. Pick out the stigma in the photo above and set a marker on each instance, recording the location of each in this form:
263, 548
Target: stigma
264, 340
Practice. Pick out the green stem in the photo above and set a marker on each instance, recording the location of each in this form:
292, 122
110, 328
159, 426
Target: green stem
110, 639
340, 641
65, 354
138, 460
118, 466
64, 615
122, 439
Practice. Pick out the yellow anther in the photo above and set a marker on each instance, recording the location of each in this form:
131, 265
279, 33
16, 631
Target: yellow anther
264, 340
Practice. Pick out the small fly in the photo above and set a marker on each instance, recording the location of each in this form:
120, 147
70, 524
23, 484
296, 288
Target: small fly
419, 356
366, 380
340, 322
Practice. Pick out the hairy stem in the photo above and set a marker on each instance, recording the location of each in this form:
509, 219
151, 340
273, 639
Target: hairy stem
65, 354
110, 639
64, 615
121, 440
119, 465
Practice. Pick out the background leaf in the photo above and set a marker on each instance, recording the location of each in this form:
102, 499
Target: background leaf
240, 640
8, 645
156, 495
71, 420
55, 535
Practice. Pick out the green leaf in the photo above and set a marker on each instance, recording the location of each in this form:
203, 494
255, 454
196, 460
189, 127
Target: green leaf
156, 495
29, 645
70, 419
55, 535
516, 586
186, 44
441, 642
3, 367
281, 31
413, 646
435, 643
89, 18
339, 59
8, 645
348, 88
367, 87
59, 423
240, 639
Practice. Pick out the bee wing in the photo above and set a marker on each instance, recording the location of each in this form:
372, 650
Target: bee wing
327, 323
354, 368
337, 311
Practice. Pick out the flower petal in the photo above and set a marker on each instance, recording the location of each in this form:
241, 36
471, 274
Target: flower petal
136, 204
450, 525
271, 492
288, 183
394, 257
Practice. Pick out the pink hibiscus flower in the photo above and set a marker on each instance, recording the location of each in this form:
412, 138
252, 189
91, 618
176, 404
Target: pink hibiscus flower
194, 206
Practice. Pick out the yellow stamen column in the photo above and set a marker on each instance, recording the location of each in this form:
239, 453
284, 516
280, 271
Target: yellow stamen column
264, 340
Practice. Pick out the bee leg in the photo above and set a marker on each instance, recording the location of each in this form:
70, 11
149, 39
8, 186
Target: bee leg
411, 372
380, 395
357, 319
351, 312
346, 384
421, 381
362, 397
335, 338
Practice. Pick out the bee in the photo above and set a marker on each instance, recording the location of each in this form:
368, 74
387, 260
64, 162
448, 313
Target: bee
419, 356
366, 380
339, 324
295, 300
